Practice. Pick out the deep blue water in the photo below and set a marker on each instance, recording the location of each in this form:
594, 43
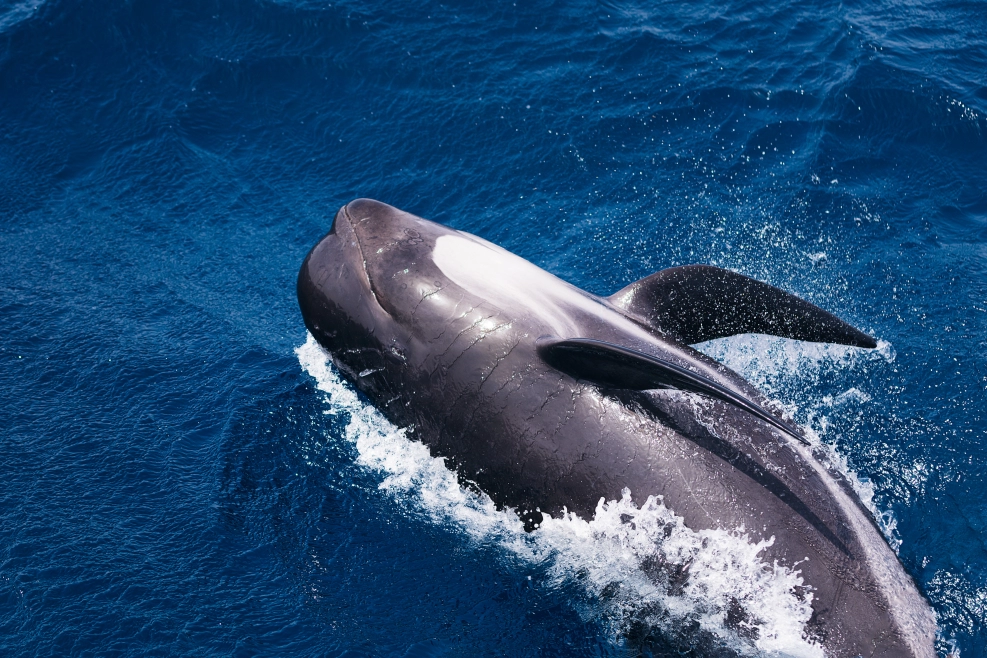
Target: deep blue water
165, 166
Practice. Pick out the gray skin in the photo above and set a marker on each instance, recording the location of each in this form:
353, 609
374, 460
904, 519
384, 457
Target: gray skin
446, 334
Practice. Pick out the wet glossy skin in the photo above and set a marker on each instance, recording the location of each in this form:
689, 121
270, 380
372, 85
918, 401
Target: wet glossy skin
439, 329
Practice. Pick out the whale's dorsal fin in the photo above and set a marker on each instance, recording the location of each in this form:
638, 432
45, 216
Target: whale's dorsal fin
696, 303
613, 366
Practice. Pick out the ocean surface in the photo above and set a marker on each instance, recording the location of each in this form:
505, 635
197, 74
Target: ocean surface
181, 473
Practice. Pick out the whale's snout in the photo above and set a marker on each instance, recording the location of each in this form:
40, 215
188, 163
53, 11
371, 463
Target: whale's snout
376, 226
363, 272
343, 224
333, 286
369, 211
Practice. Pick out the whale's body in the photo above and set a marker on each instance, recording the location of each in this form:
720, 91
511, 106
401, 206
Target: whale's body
549, 398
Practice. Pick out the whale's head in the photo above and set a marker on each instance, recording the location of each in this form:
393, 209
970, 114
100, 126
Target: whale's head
361, 285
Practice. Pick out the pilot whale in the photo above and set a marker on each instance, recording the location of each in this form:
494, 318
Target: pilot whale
549, 399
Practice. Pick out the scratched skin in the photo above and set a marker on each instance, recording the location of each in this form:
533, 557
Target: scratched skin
438, 328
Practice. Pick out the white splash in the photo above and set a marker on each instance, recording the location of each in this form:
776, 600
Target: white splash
605, 554
764, 359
